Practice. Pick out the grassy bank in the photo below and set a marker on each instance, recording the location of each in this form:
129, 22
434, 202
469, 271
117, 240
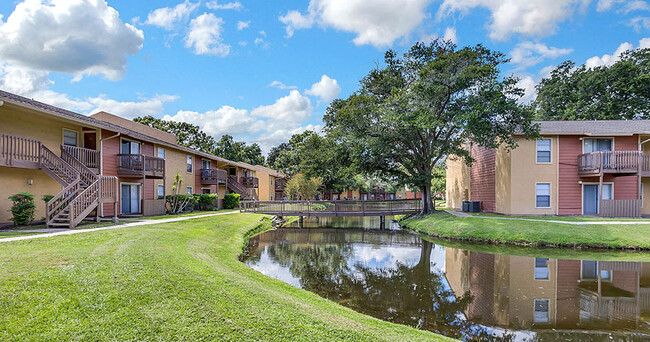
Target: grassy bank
176, 281
526, 233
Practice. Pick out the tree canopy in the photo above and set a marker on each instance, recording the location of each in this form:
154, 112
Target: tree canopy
233, 150
615, 92
411, 113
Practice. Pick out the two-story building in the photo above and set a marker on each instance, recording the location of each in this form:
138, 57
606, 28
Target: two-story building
102, 164
574, 168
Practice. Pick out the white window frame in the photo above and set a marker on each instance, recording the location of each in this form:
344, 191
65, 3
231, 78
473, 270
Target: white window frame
548, 312
189, 158
158, 187
189, 190
550, 151
140, 199
550, 197
209, 189
131, 141
209, 162
582, 193
164, 152
548, 269
586, 138
72, 131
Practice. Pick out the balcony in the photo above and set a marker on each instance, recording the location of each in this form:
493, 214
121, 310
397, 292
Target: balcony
613, 162
86, 156
280, 185
140, 166
250, 182
213, 176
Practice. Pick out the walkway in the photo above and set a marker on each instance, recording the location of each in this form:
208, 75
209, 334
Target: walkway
575, 223
57, 232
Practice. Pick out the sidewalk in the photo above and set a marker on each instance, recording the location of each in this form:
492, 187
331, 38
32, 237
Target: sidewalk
57, 232
575, 223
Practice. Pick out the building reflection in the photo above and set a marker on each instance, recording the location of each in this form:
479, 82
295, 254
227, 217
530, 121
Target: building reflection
518, 293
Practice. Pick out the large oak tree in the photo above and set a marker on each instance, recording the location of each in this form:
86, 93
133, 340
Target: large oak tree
412, 112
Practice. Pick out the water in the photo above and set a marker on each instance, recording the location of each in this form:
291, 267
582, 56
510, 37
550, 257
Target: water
458, 292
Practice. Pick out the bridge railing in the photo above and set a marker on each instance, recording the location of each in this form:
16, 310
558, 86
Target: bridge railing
333, 208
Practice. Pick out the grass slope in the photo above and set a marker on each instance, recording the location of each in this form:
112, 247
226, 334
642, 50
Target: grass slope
541, 234
177, 281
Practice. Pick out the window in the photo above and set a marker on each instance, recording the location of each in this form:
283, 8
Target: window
541, 311
161, 191
189, 164
206, 164
189, 190
596, 145
161, 152
130, 147
606, 275
541, 269
589, 270
205, 190
544, 150
543, 195
70, 138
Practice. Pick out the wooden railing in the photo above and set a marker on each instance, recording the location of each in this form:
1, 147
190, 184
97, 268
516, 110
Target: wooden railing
88, 157
213, 176
87, 175
280, 184
250, 182
333, 208
610, 162
57, 166
61, 200
139, 165
108, 188
620, 208
15, 149
237, 187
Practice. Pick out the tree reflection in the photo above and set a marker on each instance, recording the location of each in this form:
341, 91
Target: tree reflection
406, 294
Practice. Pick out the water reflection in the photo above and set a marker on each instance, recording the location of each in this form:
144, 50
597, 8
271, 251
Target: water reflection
398, 277
367, 222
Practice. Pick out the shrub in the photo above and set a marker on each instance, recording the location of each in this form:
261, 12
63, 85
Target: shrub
231, 201
23, 208
206, 201
177, 203
47, 198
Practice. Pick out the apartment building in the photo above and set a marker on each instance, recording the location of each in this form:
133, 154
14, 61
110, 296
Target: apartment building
102, 164
574, 168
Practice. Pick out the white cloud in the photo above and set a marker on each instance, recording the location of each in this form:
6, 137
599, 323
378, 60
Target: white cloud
243, 24
639, 23
607, 60
627, 6
131, 109
225, 120
73, 37
204, 36
450, 34
280, 85
527, 83
327, 89
606, 5
636, 6
527, 54
291, 109
270, 139
378, 23
644, 43
508, 17
215, 5
167, 18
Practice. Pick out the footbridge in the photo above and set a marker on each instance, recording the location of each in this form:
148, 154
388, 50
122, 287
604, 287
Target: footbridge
333, 208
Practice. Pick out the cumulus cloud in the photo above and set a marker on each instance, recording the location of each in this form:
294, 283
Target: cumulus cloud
280, 85
243, 24
74, 37
225, 120
527, 83
215, 5
378, 23
204, 36
607, 60
450, 34
168, 17
327, 89
293, 108
131, 109
527, 54
528, 18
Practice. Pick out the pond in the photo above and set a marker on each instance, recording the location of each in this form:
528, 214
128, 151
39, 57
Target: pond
459, 292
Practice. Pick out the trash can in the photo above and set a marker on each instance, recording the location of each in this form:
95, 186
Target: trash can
465, 206
475, 207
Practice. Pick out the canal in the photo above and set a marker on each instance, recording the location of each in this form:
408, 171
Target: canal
458, 291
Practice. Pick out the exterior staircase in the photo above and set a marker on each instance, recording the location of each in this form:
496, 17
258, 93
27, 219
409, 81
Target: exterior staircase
83, 190
234, 185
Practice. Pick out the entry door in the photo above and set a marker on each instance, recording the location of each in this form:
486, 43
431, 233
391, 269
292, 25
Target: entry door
590, 203
130, 199
90, 140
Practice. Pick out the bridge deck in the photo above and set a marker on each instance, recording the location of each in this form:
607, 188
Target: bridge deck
332, 208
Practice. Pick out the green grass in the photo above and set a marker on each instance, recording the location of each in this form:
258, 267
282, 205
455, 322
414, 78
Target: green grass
24, 230
561, 218
193, 213
165, 282
542, 234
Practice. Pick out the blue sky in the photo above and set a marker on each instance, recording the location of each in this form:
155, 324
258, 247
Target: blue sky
263, 70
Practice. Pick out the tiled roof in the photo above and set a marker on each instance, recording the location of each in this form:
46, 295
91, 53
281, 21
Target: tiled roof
595, 127
90, 121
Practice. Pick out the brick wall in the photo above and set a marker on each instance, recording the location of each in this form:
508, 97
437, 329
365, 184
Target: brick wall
483, 178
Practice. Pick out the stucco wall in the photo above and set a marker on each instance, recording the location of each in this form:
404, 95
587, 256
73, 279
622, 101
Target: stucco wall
265, 190
458, 182
14, 180
176, 162
525, 173
503, 180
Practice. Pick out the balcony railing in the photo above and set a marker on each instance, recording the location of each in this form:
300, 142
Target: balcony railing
615, 162
250, 182
280, 185
138, 165
213, 176
86, 156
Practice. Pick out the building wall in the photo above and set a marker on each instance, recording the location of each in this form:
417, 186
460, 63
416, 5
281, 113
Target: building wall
570, 190
483, 178
522, 296
503, 179
525, 173
458, 183
265, 186
14, 180
176, 162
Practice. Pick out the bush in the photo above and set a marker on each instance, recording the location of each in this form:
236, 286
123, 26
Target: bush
23, 208
47, 198
177, 203
206, 201
231, 201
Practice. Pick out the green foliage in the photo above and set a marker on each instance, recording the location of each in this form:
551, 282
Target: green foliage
47, 198
22, 208
206, 201
180, 202
231, 201
233, 150
187, 134
615, 92
292, 188
414, 111
301, 187
439, 181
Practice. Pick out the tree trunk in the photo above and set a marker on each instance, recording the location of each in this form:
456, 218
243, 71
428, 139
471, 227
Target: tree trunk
427, 207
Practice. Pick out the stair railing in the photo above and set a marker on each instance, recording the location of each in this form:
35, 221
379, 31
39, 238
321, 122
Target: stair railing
53, 162
61, 200
87, 175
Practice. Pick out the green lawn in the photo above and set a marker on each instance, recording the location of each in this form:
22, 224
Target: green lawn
562, 218
445, 226
175, 281
193, 213
24, 230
